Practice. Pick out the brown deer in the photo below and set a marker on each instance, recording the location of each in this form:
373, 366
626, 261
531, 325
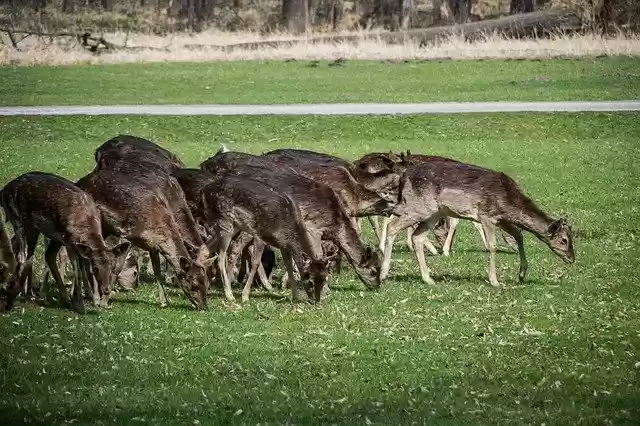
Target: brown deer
137, 210
127, 147
432, 190
444, 230
324, 215
41, 203
233, 203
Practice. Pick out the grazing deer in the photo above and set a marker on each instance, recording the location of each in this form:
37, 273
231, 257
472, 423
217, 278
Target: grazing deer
233, 203
41, 203
432, 190
136, 209
324, 215
444, 230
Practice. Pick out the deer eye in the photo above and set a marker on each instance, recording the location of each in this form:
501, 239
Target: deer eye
564, 240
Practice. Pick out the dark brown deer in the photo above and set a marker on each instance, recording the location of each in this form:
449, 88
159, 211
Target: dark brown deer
303, 157
125, 147
432, 190
323, 214
357, 200
234, 204
41, 203
135, 209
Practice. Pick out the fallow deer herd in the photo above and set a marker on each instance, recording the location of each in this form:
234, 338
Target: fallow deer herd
222, 222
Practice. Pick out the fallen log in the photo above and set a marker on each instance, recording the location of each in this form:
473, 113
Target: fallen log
534, 24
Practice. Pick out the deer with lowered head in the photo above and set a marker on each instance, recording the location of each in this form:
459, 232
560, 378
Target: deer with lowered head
444, 231
239, 203
432, 190
320, 206
41, 203
138, 209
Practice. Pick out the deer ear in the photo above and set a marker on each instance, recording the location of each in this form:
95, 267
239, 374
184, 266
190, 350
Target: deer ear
121, 248
184, 263
84, 250
208, 262
556, 225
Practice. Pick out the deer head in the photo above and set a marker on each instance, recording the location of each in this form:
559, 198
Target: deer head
559, 238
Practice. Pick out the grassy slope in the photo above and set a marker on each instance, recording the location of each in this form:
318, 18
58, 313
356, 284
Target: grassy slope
559, 349
297, 82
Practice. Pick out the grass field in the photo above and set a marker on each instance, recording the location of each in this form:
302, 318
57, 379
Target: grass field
301, 82
563, 348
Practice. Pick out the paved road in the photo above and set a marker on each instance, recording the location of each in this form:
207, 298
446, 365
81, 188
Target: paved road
325, 109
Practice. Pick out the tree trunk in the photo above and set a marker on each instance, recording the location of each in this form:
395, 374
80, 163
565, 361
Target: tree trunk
407, 10
460, 9
521, 6
295, 15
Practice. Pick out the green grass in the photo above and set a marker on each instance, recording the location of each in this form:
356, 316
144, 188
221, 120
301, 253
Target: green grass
559, 349
296, 82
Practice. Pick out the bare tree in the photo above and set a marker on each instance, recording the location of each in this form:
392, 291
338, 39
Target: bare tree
295, 15
521, 6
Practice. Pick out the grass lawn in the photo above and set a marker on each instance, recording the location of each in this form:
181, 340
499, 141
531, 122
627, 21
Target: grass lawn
298, 82
563, 348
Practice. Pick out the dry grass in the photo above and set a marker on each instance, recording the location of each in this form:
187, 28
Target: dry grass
36, 52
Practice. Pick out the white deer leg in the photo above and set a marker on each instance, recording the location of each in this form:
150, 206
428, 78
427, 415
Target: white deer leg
395, 225
419, 237
453, 224
410, 231
256, 257
478, 227
490, 235
383, 233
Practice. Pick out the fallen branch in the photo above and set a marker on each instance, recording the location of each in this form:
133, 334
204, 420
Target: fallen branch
535, 24
89, 42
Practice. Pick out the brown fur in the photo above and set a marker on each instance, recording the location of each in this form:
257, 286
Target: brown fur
432, 190
41, 203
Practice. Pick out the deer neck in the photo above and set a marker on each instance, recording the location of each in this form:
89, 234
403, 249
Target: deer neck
534, 220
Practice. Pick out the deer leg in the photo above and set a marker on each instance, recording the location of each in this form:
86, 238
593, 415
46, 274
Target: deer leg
516, 233
26, 278
264, 280
395, 225
51, 257
419, 238
510, 241
234, 252
481, 231
448, 242
357, 224
490, 235
224, 242
375, 225
383, 233
256, 258
289, 263
77, 302
160, 278
409, 242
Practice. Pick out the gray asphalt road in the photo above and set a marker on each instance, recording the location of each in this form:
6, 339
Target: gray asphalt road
325, 109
